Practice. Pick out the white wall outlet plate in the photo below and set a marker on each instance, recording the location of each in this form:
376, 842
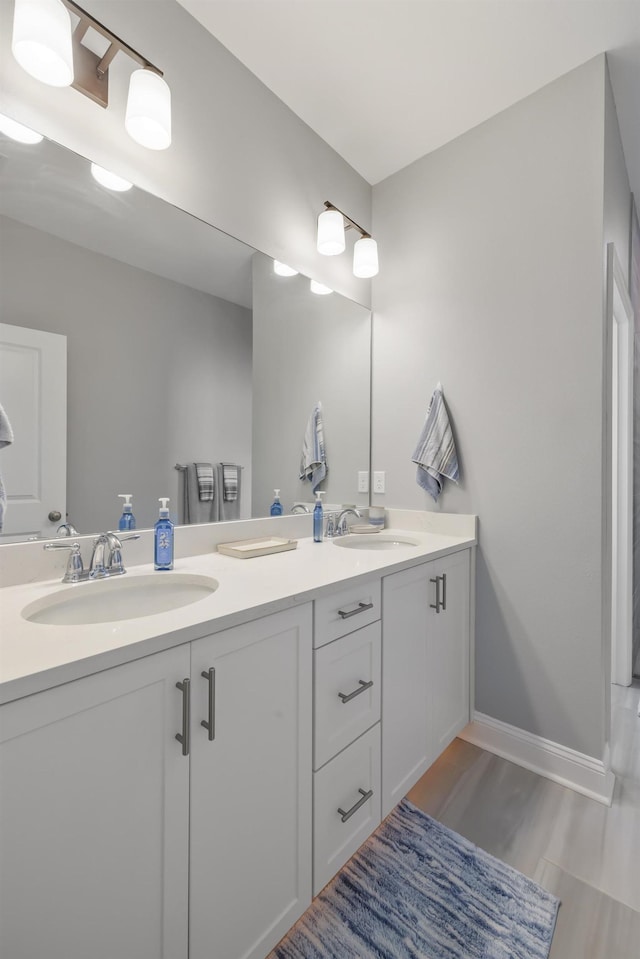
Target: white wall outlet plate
378, 481
363, 481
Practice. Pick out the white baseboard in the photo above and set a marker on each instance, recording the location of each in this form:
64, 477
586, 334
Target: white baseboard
584, 774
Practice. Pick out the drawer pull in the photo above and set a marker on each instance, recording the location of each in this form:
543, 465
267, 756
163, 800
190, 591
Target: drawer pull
436, 605
185, 689
444, 591
360, 608
364, 796
210, 722
347, 697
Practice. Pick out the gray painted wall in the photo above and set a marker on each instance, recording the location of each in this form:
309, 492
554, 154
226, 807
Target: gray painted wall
307, 348
493, 284
158, 373
240, 159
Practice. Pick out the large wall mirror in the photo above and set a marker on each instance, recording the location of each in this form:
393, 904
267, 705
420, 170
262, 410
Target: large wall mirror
182, 346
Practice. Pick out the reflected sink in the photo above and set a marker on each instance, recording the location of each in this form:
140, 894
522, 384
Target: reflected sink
375, 541
111, 600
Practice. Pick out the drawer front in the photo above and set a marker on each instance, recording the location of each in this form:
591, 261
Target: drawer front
344, 611
347, 691
344, 812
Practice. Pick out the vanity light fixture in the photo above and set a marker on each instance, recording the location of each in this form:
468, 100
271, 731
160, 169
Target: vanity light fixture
283, 270
110, 180
319, 288
332, 224
48, 47
11, 128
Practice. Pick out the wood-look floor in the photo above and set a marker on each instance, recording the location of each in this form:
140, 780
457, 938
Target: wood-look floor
583, 852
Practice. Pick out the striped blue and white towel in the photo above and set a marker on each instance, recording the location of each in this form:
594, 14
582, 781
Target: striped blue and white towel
230, 482
435, 453
313, 462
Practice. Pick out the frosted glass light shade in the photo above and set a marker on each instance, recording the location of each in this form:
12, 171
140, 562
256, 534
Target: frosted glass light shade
41, 41
283, 270
331, 233
148, 115
110, 180
365, 258
17, 131
319, 288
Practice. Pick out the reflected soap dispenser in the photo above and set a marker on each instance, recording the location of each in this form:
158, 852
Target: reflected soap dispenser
163, 538
276, 506
127, 520
318, 518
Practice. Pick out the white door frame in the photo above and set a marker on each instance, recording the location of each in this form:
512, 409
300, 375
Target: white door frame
621, 331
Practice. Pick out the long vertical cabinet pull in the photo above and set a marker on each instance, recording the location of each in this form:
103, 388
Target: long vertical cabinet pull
444, 591
436, 605
183, 737
210, 723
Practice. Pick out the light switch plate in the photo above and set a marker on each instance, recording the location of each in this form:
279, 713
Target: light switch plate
378, 481
363, 481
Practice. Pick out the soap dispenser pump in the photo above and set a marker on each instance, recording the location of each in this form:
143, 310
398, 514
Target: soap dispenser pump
127, 520
318, 518
163, 538
276, 506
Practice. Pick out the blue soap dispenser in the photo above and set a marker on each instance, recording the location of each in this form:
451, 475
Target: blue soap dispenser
318, 518
276, 506
127, 520
163, 538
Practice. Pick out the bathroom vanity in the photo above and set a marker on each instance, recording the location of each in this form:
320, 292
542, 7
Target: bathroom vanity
181, 784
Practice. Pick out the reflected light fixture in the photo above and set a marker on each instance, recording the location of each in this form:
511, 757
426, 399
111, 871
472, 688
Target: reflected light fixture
283, 270
332, 224
50, 48
11, 128
110, 180
319, 288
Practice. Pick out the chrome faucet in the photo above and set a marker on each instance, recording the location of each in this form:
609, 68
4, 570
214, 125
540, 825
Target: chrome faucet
75, 571
67, 529
300, 508
106, 559
341, 522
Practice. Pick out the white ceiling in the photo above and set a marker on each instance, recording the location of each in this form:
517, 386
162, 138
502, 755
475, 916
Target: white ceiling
386, 81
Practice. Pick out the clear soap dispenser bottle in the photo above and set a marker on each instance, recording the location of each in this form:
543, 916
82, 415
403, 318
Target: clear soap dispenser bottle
276, 506
318, 518
127, 520
163, 538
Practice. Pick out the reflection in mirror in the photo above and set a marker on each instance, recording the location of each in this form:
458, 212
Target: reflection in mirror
171, 359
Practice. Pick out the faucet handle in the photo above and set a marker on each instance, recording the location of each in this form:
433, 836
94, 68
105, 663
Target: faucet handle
116, 567
75, 569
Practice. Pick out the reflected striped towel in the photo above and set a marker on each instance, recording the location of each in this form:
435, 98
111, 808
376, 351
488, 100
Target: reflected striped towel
313, 463
435, 453
229, 482
204, 473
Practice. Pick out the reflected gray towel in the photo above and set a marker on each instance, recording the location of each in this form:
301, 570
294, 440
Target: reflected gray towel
313, 462
194, 510
228, 509
6, 438
204, 473
435, 453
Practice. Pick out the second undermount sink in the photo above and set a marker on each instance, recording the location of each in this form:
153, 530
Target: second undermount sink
111, 600
375, 541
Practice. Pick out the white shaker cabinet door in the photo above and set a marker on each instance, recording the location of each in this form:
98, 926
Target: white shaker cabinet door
250, 870
94, 817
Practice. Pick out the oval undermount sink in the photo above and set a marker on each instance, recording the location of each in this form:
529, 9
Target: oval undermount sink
111, 600
376, 541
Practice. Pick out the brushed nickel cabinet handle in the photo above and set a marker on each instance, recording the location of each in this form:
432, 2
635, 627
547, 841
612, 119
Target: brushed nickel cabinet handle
347, 697
210, 722
365, 796
361, 607
183, 737
444, 590
436, 605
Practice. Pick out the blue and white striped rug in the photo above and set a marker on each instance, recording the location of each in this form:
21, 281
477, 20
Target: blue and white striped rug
417, 890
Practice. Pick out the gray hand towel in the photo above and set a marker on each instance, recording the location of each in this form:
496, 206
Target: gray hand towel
229, 493
435, 453
195, 510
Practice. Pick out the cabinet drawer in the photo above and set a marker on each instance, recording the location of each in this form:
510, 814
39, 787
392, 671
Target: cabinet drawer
344, 814
346, 610
345, 704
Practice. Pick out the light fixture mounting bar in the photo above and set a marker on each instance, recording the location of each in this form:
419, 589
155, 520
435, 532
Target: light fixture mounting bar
350, 224
91, 72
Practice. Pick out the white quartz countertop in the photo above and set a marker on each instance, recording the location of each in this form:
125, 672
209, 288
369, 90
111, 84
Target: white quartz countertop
35, 656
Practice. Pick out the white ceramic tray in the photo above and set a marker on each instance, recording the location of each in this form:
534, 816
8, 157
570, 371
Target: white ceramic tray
248, 548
